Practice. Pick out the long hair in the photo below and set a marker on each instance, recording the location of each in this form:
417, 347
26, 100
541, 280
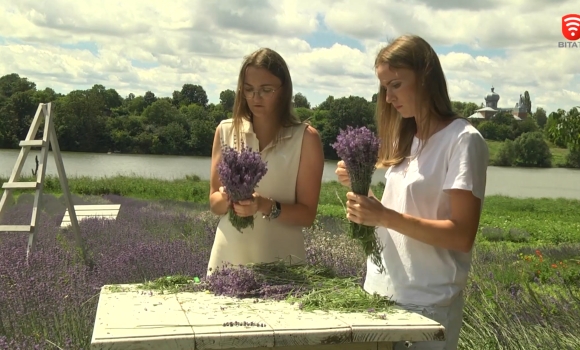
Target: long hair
431, 97
272, 61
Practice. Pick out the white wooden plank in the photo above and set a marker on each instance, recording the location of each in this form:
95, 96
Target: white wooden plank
64, 183
95, 212
16, 228
90, 215
207, 318
32, 143
136, 319
20, 185
97, 206
402, 325
293, 327
82, 211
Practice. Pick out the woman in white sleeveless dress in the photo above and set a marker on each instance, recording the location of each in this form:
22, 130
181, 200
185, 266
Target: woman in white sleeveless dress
286, 198
434, 190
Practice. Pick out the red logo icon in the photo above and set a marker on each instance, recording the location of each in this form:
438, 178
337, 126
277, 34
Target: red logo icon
571, 27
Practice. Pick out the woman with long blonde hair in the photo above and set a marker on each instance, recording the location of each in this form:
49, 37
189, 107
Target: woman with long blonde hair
435, 184
287, 196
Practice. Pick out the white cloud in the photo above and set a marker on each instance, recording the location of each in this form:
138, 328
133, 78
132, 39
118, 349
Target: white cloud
204, 43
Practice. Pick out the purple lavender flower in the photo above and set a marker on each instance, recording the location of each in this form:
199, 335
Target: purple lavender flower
240, 173
359, 149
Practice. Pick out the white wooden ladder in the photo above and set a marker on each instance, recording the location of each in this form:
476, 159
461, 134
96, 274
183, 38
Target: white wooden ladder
49, 138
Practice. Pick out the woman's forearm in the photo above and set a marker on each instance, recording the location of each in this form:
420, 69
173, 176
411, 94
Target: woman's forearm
439, 233
291, 214
218, 204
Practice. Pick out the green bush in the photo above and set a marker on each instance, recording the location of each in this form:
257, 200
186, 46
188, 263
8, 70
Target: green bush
506, 154
493, 131
522, 126
573, 157
532, 150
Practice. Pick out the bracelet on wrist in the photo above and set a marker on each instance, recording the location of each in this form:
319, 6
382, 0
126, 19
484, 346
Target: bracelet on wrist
274, 211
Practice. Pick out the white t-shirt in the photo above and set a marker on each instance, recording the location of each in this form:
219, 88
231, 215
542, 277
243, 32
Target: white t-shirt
456, 157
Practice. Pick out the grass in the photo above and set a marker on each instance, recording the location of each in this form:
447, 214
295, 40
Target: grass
523, 291
558, 154
506, 219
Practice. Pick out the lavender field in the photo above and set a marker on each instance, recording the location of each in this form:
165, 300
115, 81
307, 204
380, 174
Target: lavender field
520, 296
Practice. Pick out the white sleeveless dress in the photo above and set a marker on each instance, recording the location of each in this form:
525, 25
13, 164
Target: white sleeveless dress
271, 240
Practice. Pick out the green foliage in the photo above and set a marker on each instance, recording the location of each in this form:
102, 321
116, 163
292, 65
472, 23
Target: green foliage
573, 158
506, 155
547, 269
491, 130
503, 218
522, 126
531, 150
300, 101
100, 120
563, 128
464, 109
503, 118
540, 117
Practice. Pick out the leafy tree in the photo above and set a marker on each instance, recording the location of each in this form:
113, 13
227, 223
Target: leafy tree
540, 117
227, 98
98, 119
300, 101
304, 113
502, 118
522, 126
531, 150
493, 131
193, 94
555, 130
528, 102
506, 154
149, 98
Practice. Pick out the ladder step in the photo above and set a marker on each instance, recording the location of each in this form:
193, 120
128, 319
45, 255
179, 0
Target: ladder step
16, 228
20, 185
32, 143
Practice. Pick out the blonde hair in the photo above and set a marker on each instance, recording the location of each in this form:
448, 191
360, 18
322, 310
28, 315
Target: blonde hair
432, 98
272, 61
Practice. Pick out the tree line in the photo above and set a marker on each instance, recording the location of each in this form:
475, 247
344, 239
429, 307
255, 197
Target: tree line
100, 120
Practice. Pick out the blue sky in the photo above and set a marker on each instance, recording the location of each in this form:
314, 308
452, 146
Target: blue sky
139, 46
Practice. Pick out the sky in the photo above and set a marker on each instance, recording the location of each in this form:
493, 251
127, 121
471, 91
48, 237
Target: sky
330, 45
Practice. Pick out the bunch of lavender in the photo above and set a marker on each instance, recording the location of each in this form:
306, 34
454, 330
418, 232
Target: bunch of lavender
240, 173
359, 148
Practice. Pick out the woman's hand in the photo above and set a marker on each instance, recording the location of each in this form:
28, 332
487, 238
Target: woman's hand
249, 207
222, 191
342, 174
365, 210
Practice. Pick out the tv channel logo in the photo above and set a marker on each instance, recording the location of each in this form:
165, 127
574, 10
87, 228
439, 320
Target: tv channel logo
571, 26
570, 30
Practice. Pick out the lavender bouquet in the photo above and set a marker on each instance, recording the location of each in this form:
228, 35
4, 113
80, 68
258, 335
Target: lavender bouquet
359, 149
240, 173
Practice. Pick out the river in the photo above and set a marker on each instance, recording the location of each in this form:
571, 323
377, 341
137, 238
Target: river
514, 182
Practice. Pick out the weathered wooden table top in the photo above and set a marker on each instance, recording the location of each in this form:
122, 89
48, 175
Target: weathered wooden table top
132, 318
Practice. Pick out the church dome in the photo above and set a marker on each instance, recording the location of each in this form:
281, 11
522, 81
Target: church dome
493, 96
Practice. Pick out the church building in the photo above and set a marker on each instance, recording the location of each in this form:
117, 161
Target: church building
518, 112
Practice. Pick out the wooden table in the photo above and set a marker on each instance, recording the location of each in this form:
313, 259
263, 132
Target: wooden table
135, 319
